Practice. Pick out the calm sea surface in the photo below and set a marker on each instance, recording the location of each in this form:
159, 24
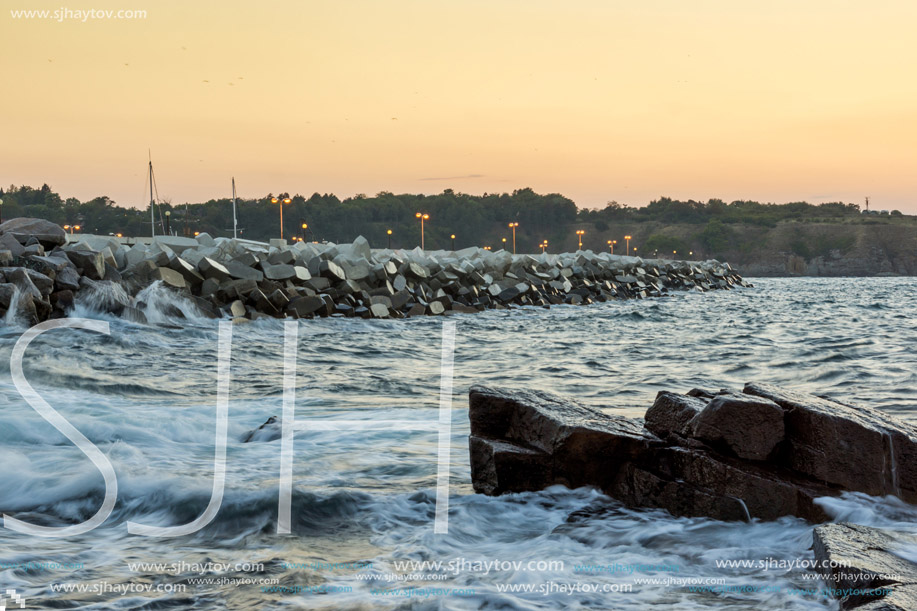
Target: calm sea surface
364, 501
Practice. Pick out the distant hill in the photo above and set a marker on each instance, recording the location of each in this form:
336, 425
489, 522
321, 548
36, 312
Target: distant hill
797, 238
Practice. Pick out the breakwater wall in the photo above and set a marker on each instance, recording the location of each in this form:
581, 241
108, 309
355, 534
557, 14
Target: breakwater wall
45, 273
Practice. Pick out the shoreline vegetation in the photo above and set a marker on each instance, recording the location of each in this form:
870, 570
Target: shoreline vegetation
759, 239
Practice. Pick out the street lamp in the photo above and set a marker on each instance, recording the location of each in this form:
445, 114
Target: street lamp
674, 252
423, 216
453, 242
504, 243
544, 245
487, 248
275, 200
1, 210
627, 237
580, 233
168, 227
611, 245
389, 232
513, 227
304, 227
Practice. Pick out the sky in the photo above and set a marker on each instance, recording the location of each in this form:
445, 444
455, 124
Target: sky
597, 99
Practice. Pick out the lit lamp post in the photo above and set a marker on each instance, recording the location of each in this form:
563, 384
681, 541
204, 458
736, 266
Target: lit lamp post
304, 227
627, 237
611, 245
674, 252
504, 243
544, 245
275, 200
453, 241
168, 226
71, 228
389, 232
580, 233
423, 217
513, 227
487, 248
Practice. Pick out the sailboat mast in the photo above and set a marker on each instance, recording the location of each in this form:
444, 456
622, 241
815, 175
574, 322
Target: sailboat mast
235, 230
152, 212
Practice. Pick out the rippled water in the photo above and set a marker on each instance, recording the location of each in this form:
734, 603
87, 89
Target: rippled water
146, 396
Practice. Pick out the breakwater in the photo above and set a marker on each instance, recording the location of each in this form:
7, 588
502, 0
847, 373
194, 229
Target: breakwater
44, 275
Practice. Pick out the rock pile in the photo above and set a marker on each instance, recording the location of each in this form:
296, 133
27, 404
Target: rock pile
762, 453
42, 275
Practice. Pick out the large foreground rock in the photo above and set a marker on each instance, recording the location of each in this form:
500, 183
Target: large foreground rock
870, 569
724, 455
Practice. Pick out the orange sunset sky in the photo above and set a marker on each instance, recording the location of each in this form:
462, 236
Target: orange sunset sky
599, 100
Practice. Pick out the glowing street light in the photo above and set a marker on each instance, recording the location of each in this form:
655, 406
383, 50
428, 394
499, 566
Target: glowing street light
305, 226
544, 245
453, 241
611, 245
504, 243
488, 248
513, 227
423, 216
389, 232
580, 233
285, 200
627, 237
168, 227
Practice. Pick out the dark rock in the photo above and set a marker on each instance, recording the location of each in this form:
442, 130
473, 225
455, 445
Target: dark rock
46, 232
671, 413
239, 271
750, 427
302, 307
271, 430
90, 263
7, 293
856, 448
737, 468
865, 568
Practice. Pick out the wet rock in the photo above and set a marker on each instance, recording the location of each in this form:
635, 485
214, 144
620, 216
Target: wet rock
671, 413
8, 292
724, 455
868, 568
90, 263
271, 430
750, 427
856, 448
169, 277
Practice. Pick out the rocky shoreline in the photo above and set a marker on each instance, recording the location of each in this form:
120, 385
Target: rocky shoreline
761, 453
43, 274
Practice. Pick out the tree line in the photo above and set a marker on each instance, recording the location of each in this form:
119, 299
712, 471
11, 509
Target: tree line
475, 220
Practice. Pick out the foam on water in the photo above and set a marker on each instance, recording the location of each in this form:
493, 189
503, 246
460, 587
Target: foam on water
146, 396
